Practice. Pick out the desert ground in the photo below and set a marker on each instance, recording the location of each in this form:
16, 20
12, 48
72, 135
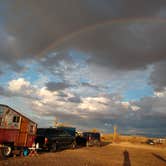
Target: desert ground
122, 154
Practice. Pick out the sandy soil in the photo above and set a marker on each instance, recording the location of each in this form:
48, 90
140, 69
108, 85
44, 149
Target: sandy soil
123, 154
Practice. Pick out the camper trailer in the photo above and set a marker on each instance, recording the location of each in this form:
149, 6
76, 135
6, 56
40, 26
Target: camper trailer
17, 132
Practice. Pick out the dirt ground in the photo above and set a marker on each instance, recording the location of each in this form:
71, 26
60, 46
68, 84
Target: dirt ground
123, 154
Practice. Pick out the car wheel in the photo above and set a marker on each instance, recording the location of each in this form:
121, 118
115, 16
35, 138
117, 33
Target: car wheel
53, 147
73, 145
2, 156
7, 150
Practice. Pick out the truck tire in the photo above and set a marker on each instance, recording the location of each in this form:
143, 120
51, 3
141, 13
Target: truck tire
53, 147
2, 156
7, 151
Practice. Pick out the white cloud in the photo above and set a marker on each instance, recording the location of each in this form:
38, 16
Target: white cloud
128, 105
46, 96
135, 108
160, 94
125, 104
19, 84
94, 104
42, 96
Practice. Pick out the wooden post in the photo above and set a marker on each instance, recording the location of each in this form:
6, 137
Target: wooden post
115, 133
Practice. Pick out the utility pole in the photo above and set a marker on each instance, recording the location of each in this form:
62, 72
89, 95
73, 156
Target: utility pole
115, 133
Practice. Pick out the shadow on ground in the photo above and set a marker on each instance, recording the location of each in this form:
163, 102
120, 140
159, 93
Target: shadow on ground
105, 143
159, 157
126, 161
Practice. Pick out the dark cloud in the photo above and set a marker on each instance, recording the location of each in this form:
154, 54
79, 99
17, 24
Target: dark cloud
127, 45
55, 59
10, 51
36, 25
1, 72
86, 84
5, 93
142, 8
54, 86
57, 63
158, 79
1, 91
75, 99
31, 27
151, 116
62, 94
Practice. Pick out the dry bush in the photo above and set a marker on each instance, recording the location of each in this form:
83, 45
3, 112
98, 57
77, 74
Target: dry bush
133, 139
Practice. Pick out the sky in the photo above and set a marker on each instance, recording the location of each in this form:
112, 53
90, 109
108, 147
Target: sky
87, 63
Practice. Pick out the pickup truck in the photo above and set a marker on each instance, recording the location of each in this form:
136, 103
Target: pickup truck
54, 138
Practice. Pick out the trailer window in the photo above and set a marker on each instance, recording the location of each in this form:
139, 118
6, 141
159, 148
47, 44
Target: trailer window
31, 129
16, 119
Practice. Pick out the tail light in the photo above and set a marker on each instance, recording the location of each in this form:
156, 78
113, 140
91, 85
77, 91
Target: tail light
45, 140
89, 138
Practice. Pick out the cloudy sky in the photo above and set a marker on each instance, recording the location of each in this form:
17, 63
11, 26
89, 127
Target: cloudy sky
88, 63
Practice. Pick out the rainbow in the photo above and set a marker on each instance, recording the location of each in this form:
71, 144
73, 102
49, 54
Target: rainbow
61, 40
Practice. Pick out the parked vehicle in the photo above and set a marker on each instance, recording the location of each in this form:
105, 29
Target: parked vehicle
53, 138
80, 140
92, 138
17, 132
150, 142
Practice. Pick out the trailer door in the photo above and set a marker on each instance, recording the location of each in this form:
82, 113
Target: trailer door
23, 134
